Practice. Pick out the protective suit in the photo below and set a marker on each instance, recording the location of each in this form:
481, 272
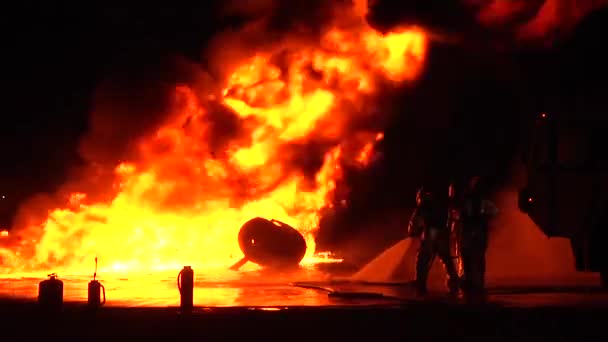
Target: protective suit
474, 214
429, 222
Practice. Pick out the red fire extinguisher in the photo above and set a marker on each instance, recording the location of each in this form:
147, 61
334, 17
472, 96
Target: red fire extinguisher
95, 291
185, 285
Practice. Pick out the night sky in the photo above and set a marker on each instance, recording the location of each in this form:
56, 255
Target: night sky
465, 115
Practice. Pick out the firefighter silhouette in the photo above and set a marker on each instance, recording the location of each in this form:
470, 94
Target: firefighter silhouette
474, 213
429, 222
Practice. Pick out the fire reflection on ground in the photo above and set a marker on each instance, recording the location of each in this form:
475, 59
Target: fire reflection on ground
272, 291
224, 288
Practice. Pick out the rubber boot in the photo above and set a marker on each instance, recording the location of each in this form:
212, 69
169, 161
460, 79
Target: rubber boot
420, 287
453, 285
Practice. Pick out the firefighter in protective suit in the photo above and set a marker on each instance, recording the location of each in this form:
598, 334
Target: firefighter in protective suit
474, 214
429, 222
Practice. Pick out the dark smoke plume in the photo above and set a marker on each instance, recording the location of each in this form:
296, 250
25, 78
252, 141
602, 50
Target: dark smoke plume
136, 95
490, 22
535, 20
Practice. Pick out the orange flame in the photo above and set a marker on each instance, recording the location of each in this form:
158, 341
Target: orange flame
183, 202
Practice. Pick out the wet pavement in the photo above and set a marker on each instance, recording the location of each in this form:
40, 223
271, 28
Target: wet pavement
217, 289
412, 321
304, 287
306, 305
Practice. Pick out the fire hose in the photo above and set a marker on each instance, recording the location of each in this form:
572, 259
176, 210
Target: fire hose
332, 293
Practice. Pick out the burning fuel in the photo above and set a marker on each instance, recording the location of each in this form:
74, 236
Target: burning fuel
270, 139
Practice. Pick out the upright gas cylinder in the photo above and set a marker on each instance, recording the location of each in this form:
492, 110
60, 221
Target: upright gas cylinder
95, 291
50, 294
185, 285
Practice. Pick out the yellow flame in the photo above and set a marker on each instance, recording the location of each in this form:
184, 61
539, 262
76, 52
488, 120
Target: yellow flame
182, 203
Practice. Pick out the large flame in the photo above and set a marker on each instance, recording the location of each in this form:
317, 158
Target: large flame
184, 199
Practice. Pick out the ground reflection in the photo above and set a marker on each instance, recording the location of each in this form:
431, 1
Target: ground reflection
212, 288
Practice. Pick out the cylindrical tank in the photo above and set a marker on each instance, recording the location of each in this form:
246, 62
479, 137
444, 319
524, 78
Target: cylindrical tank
50, 293
185, 285
96, 289
271, 243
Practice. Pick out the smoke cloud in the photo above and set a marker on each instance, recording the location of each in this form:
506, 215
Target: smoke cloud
282, 109
534, 20
495, 22
133, 102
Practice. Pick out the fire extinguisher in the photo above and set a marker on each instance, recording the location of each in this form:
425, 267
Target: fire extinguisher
185, 285
95, 291
50, 294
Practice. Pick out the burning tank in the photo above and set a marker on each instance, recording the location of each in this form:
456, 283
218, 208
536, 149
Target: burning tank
271, 244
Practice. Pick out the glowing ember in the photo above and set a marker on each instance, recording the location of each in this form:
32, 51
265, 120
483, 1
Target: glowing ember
3, 233
184, 199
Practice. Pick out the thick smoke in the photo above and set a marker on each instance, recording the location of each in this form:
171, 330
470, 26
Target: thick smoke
126, 106
157, 122
136, 98
534, 20
131, 104
489, 22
